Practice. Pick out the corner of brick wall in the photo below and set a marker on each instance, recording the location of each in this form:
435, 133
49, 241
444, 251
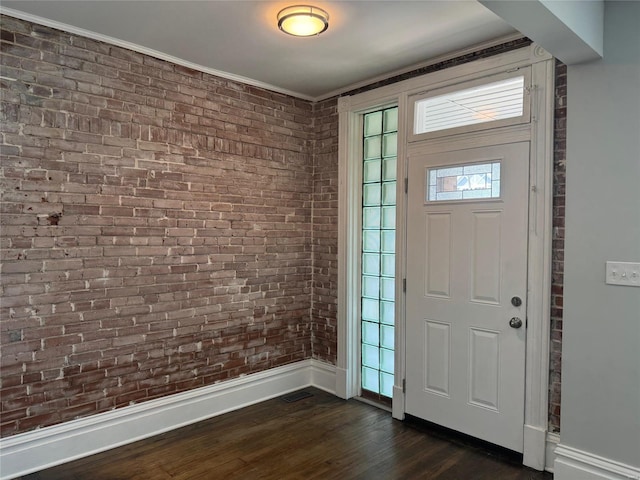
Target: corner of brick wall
156, 227
325, 232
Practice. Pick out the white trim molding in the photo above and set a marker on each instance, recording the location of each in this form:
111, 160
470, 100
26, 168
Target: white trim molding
536, 414
574, 464
323, 376
553, 439
539, 132
39, 449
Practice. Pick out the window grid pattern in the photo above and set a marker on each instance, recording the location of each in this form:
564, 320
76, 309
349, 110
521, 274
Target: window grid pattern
378, 250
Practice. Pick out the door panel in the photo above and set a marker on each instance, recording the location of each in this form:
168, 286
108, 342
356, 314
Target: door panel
485, 273
465, 260
484, 364
438, 254
437, 354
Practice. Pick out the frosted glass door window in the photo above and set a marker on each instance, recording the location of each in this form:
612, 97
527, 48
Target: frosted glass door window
380, 145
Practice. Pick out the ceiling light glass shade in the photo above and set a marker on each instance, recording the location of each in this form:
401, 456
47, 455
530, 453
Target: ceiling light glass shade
303, 20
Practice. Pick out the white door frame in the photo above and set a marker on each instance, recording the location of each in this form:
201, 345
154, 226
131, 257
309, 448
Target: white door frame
540, 133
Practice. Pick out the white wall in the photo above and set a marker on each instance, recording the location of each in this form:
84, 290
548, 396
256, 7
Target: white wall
601, 338
570, 30
584, 18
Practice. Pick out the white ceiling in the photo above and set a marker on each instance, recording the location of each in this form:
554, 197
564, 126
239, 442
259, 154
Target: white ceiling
239, 39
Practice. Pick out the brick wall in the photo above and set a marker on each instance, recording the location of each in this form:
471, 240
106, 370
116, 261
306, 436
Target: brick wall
559, 177
156, 228
325, 232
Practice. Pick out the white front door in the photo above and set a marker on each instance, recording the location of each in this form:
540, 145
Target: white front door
466, 280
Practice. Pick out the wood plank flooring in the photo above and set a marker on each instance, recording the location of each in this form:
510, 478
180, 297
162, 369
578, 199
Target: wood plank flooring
320, 437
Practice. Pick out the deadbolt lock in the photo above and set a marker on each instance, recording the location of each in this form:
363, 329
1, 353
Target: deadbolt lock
516, 301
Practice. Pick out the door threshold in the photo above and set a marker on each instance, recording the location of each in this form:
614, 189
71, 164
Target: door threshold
462, 439
374, 403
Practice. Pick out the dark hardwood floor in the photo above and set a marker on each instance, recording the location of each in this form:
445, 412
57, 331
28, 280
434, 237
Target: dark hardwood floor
319, 437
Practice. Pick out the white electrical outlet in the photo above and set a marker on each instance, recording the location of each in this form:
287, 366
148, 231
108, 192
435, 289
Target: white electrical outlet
623, 273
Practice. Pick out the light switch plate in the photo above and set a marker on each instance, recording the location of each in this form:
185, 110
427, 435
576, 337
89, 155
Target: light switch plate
623, 273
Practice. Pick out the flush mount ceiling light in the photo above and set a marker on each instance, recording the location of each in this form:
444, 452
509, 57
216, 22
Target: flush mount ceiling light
303, 20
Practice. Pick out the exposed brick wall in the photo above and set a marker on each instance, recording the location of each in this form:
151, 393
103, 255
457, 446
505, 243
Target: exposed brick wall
325, 232
559, 180
156, 227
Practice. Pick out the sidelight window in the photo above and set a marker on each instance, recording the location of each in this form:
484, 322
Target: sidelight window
378, 250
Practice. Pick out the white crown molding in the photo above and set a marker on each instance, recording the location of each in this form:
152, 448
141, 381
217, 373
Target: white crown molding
46, 447
148, 51
575, 464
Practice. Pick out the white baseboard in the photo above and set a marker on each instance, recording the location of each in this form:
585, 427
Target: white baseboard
323, 376
397, 406
574, 464
343, 389
553, 439
534, 440
39, 449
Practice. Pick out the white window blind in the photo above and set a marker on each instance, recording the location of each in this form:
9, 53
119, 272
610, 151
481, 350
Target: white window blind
483, 103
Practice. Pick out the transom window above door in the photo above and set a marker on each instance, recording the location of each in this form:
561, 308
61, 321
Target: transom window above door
486, 103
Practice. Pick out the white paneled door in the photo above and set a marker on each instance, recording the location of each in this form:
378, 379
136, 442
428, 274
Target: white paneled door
467, 290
